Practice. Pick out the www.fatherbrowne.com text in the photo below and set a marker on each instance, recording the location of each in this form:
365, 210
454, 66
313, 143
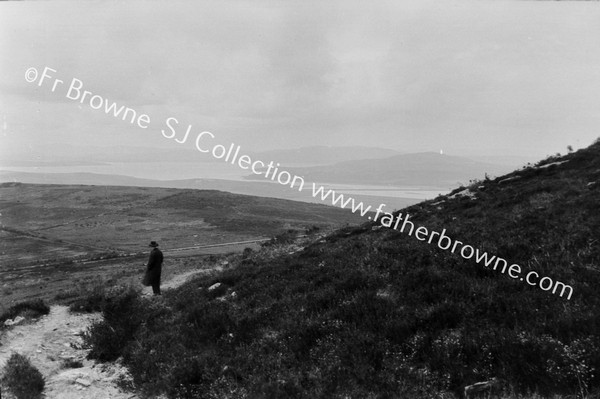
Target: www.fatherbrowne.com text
205, 144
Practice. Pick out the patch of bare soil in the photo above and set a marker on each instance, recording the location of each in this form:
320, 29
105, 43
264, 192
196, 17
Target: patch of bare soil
179, 279
53, 342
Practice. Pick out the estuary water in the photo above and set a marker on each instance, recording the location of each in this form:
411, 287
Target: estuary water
229, 177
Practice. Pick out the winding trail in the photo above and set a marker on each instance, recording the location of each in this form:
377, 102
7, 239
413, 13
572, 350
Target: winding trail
56, 338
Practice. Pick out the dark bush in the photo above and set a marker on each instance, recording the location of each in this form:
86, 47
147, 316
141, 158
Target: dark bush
247, 252
287, 237
21, 378
123, 313
105, 342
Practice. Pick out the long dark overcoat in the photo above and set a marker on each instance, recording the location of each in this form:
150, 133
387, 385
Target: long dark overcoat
154, 267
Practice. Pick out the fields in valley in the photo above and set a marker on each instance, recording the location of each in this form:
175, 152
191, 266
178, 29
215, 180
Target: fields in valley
56, 238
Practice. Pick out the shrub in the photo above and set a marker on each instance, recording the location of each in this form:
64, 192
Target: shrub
105, 342
284, 238
90, 300
122, 312
247, 252
32, 309
21, 378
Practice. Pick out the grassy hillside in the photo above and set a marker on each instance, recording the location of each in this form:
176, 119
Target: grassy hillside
370, 312
72, 220
57, 237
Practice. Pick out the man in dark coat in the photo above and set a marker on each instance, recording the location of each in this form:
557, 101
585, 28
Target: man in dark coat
154, 268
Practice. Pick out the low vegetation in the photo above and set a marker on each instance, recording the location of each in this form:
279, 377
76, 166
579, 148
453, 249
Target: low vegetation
27, 309
21, 378
287, 237
122, 313
370, 312
87, 299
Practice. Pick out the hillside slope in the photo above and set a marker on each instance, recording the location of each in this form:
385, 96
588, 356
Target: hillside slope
373, 312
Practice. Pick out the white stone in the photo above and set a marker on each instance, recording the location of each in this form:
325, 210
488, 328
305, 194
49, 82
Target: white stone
214, 287
84, 382
15, 321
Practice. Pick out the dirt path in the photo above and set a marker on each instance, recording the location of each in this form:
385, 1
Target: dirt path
179, 279
51, 341
54, 339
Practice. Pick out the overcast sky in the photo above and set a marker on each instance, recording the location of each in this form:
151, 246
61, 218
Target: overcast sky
489, 77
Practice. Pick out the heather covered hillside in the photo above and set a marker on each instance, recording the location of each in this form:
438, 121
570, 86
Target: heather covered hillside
371, 312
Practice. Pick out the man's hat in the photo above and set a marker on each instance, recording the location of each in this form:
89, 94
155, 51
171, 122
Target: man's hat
153, 244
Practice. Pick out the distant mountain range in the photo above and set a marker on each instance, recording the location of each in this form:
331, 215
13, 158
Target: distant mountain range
421, 169
358, 169
25, 156
73, 155
324, 155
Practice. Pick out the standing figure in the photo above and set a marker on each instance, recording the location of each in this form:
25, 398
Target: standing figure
154, 268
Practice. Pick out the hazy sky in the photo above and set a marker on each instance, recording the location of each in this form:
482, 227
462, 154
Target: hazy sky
492, 77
